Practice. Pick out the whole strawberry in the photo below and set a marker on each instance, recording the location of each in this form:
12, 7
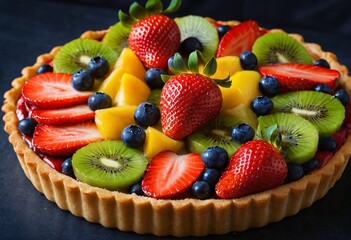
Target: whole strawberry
188, 101
153, 37
255, 167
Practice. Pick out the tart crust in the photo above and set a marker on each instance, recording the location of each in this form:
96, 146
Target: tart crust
186, 217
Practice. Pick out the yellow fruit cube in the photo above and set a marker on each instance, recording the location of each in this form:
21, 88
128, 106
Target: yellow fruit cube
131, 64
226, 66
243, 90
112, 83
156, 141
111, 121
132, 91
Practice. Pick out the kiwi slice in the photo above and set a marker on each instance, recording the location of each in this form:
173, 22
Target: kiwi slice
279, 47
116, 38
76, 55
109, 164
155, 96
216, 133
295, 136
198, 28
324, 111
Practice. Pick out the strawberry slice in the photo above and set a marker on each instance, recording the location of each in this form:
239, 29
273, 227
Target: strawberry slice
297, 76
62, 141
238, 39
169, 174
255, 167
75, 114
52, 90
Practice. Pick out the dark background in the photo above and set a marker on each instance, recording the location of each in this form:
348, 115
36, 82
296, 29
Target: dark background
30, 28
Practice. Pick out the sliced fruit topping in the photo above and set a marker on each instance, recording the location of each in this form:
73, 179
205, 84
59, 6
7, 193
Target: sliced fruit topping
197, 33
297, 76
76, 55
293, 135
239, 39
169, 174
109, 164
75, 114
52, 90
215, 133
324, 111
153, 37
64, 140
256, 166
279, 47
116, 38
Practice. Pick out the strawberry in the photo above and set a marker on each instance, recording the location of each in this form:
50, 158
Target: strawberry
169, 174
297, 76
62, 141
188, 101
154, 40
255, 167
238, 39
52, 90
75, 114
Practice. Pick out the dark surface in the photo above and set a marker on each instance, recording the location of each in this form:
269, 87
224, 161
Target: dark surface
29, 28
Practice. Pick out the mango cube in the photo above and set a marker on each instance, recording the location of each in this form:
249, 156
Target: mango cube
111, 121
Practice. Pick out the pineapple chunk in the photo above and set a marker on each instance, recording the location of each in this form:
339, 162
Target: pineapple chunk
226, 66
112, 83
156, 141
132, 91
243, 90
111, 121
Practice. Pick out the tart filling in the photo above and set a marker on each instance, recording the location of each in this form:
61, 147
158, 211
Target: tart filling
109, 203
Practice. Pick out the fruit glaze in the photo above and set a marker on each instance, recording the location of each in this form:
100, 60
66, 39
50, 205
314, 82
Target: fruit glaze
185, 126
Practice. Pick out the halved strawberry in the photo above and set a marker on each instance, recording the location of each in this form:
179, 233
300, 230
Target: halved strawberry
169, 174
297, 76
52, 90
255, 167
62, 141
238, 39
75, 114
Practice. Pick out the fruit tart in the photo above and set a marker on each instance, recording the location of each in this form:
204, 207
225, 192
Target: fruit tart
185, 126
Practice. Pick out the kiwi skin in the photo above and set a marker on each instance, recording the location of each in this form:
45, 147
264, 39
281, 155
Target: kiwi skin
76, 54
324, 111
295, 137
216, 133
109, 164
279, 47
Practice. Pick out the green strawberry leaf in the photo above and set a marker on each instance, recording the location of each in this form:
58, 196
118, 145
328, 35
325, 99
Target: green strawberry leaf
173, 6
154, 7
178, 65
193, 62
226, 83
165, 77
126, 20
210, 67
136, 11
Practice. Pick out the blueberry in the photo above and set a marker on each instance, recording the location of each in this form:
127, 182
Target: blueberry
310, 165
327, 143
147, 114
153, 77
248, 60
324, 88
133, 136
215, 157
261, 105
82, 80
98, 67
27, 126
99, 100
67, 168
322, 63
295, 172
170, 61
242, 133
45, 68
201, 190
223, 29
137, 189
269, 86
343, 96
211, 176
189, 45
